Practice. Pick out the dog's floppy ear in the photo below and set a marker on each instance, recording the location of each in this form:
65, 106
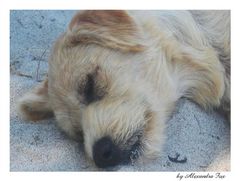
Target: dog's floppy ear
110, 28
201, 75
35, 104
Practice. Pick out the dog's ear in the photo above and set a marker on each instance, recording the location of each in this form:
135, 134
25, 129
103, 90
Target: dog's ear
110, 28
200, 75
35, 104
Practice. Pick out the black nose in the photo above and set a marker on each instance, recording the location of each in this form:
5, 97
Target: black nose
106, 153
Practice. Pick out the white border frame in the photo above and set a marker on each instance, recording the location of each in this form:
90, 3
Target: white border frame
5, 8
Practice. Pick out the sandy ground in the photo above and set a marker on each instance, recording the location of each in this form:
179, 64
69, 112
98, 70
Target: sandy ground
203, 138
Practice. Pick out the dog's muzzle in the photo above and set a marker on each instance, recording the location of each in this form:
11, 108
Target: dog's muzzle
106, 153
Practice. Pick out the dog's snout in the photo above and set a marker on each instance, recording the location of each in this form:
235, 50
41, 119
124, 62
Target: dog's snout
106, 153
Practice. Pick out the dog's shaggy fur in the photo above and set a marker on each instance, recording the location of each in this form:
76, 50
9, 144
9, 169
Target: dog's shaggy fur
115, 77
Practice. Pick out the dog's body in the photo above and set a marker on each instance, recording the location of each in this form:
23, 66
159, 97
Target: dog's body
116, 76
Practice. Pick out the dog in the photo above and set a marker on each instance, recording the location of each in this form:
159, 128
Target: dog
115, 77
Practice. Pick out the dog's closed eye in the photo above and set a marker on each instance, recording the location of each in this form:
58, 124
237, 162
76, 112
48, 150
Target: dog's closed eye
90, 91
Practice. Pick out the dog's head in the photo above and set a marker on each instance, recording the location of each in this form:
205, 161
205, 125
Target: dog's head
97, 87
93, 88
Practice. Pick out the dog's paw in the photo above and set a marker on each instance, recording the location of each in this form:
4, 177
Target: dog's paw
34, 105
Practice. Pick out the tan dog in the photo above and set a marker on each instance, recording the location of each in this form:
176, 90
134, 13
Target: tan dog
115, 77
